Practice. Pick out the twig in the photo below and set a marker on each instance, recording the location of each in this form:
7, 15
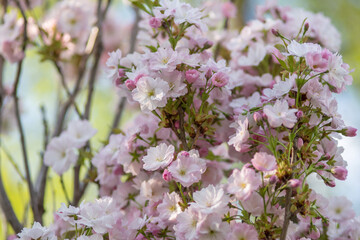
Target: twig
41, 180
37, 217
97, 53
64, 189
287, 204
66, 88
182, 129
79, 189
118, 115
8, 209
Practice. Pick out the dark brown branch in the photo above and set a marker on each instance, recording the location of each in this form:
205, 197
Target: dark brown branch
5, 203
66, 88
79, 189
97, 54
182, 129
8, 209
287, 202
32, 192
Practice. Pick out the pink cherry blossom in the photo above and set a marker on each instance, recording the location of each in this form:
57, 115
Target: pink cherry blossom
263, 161
169, 208
243, 183
158, 157
187, 168
211, 200
280, 114
241, 136
151, 93
60, 154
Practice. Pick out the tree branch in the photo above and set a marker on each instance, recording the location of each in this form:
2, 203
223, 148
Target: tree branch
79, 189
182, 129
37, 217
287, 202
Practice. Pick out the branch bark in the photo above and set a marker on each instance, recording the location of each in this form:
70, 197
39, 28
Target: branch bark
32, 192
79, 189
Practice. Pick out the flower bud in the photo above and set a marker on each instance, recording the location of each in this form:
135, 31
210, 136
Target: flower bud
300, 143
275, 32
294, 183
117, 82
350, 132
121, 73
339, 172
330, 183
257, 117
155, 22
130, 84
306, 27
192, 75
203, 152
314, 234
273, 179
167, 175
299, 114
229, 9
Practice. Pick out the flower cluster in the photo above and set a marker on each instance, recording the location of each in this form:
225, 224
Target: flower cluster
223, 147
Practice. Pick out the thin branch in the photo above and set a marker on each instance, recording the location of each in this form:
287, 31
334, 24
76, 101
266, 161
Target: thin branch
119, 113
79, 189
8, 209
182, 129
66, 88
287, 203
40, 184
97, 53
37, 217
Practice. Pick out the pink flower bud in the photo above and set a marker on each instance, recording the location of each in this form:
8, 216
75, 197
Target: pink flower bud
300, 143
229, 9
155, 22
177, 124
306, 27
275, 32
330, 183
167, 175
350, 132
192, 75
299, 114
208, 73
314, 234
203, 152
291, 102
118, 82
130, 84
220, 79
294, 183
121, 73
257, 117
339, 172
138, 77
118, 170
273, 179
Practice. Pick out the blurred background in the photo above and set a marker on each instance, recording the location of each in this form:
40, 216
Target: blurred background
37, 89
